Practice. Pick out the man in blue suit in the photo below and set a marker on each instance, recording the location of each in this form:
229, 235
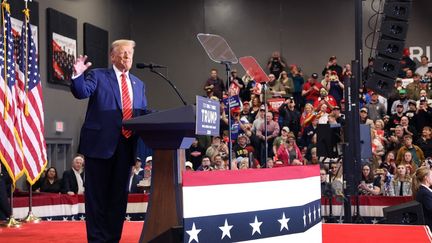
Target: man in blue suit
114, 95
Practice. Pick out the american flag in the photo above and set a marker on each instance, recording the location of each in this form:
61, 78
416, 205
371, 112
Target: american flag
32, 113
10, 148
266, 205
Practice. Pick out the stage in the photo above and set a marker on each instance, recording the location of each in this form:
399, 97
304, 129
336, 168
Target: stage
71, 232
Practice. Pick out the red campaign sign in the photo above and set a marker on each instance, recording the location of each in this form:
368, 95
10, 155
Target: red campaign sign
251, 66
275, 103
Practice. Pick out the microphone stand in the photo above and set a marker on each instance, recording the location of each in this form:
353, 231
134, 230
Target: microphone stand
170, 83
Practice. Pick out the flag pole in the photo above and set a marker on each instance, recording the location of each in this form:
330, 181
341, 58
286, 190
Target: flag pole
12, 222
5, 6
30, 218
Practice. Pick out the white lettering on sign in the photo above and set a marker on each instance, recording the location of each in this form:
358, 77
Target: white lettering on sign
417, 52
208, 116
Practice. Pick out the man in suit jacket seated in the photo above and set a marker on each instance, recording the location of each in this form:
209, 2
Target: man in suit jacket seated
73, 179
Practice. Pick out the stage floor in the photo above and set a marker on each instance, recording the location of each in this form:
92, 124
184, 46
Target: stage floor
74, 232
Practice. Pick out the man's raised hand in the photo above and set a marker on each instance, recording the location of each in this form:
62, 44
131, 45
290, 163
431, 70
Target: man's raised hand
80, 65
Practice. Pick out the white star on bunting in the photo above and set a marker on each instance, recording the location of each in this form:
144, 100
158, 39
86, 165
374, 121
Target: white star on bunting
226, 230
284, 222
256, 226
193, 233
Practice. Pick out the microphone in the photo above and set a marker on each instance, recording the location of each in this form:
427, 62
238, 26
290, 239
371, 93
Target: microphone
149, 65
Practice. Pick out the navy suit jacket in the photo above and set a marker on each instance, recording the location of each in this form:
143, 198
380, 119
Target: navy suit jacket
424, 196
101, 130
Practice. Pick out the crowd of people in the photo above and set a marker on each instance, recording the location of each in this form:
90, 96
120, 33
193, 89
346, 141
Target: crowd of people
400, 123
72, 180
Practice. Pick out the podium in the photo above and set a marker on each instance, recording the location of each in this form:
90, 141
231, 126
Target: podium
168, 133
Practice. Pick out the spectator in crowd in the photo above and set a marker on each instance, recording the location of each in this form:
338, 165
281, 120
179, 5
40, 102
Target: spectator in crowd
218, 163
276, 64
322, 115
215, 84
411, 112
369, 185
406, 63
407, 127
407, 159
256, 106
423, 116
274, 87
336, 112
269, 163
413, 88
245, 112
415, 151
389, 162
217, 147
51, 183
307, 116
194, 153
402, 100
396, 139
287, 83
137, 168
326, 80
289, 151
364, 117
240, 147
401, 184
368, 71
205, 164
397, 116
311, 89
394, 95
425, 142
325, 98
326, 188
385, 180
376, 110
336, 175
290, 116
308, 132
236, 85
272, 130
422, 183
332, 65
73, 179
298, 81
134, 180
335, 87
189, 166
280, 140
424, 66
378, 149
148, 169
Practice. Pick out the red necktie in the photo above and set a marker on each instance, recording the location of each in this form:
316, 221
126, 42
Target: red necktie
127, 104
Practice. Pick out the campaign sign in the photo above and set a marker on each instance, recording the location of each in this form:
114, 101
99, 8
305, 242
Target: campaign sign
234, 102
207, 117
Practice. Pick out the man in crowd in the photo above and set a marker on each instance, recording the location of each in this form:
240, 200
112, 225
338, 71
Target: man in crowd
290, 116
403, 99
311, 89
424, 66
205, 164
375, 108
215, 84
115, 95
73, 179
276, 64
332, 65
272, 130
413, 88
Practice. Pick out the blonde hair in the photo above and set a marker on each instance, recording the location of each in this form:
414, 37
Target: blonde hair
121, 42
418, 178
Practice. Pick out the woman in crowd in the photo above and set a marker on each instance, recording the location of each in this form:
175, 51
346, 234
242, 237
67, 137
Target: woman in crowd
369, 185
422, 192
289, 151
408, 160
50, 182
256, 104
389, 162
287, 83
385, 179
400, 185
307, 117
